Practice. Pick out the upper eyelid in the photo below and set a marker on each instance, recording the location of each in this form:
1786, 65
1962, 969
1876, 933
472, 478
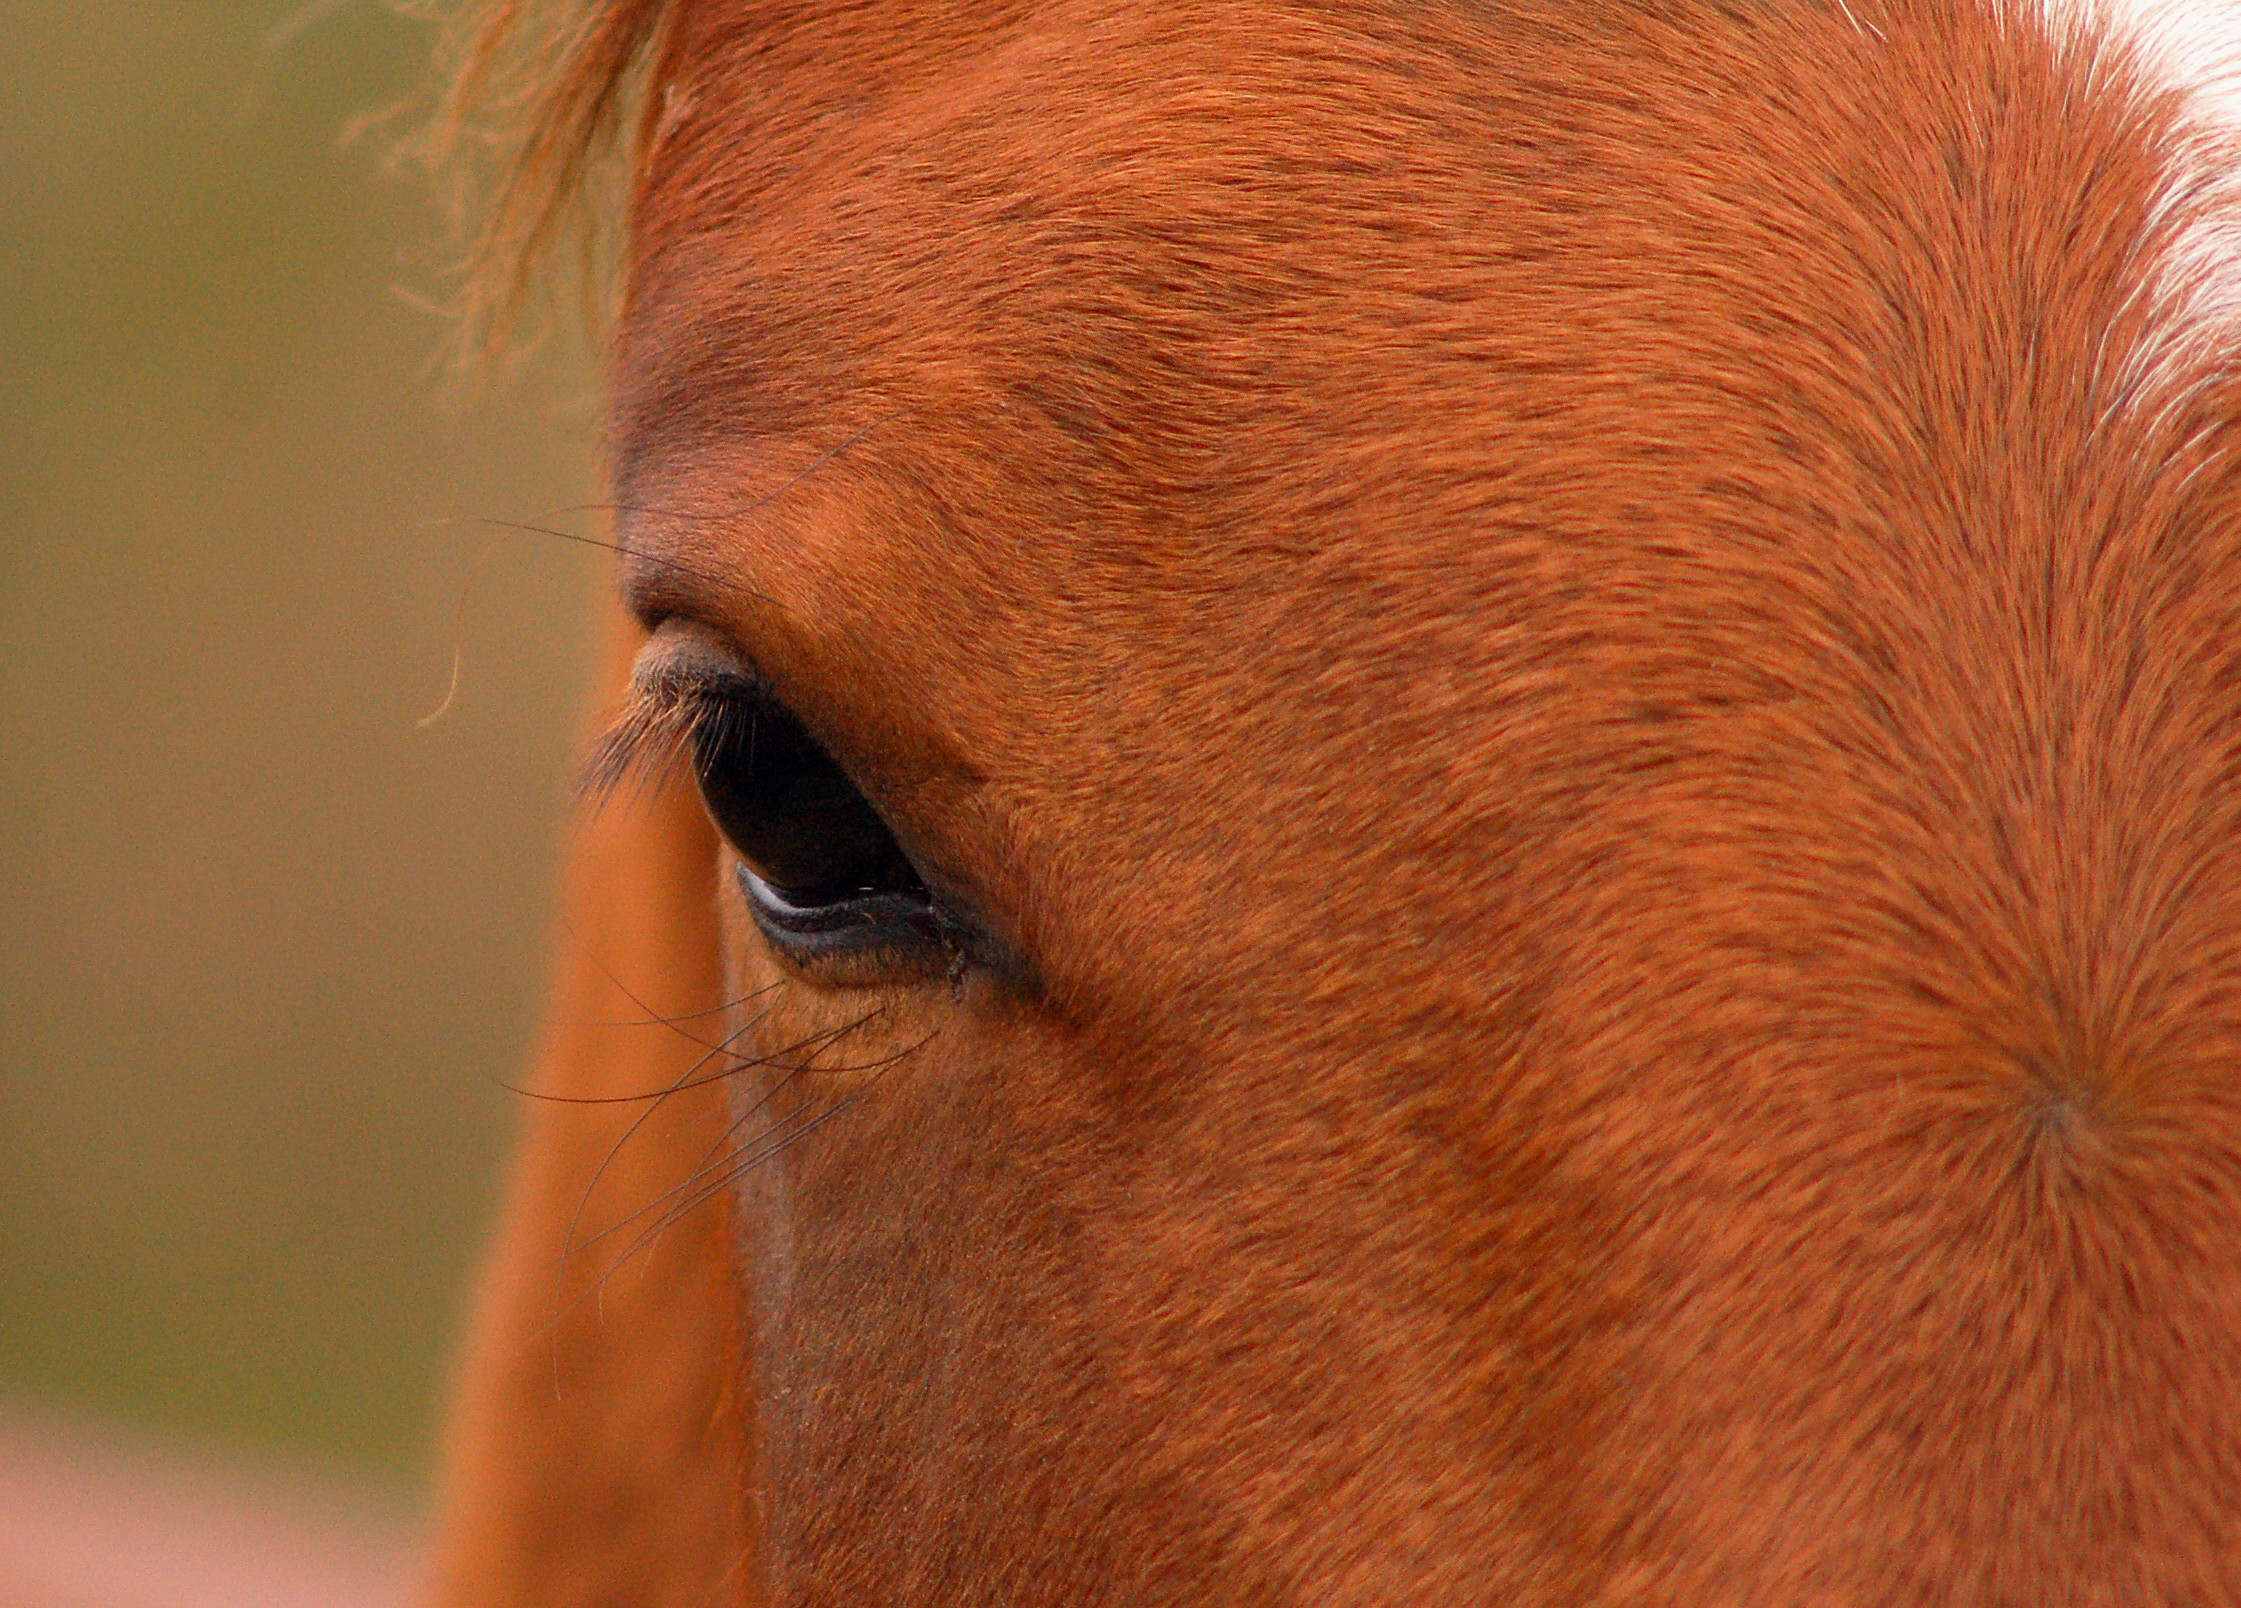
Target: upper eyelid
686, 659
679, 640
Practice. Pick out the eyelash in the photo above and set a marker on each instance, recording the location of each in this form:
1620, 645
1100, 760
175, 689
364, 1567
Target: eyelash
666, 721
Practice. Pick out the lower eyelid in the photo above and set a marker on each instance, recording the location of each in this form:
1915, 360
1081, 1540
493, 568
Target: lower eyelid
860, 928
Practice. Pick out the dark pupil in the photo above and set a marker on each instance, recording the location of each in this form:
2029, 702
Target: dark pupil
792, 814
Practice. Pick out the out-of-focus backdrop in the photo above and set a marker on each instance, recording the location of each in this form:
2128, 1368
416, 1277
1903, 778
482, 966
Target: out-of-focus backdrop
268, 946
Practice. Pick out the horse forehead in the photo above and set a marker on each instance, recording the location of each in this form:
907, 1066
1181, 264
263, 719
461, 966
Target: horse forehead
1577, 287
1104, 186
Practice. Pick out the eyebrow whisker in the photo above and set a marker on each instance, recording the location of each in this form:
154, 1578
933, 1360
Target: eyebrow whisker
625, 550
537, 527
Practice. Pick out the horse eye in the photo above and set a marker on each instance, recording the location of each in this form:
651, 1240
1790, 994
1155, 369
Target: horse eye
822, 873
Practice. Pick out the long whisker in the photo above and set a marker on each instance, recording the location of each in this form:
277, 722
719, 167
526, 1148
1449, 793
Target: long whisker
653, 1016
710, 1177
819, 462
726, 1179
625, 550
687, 1080
570, 1245
654, 1020
459, 636
583, 1201
622, 549
701, 1166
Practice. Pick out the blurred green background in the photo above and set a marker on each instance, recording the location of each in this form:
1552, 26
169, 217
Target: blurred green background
266, 945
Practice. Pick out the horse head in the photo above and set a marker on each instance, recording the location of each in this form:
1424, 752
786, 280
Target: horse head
1473, 778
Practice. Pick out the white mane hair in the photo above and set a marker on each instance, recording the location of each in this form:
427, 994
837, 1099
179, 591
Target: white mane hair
2188, 54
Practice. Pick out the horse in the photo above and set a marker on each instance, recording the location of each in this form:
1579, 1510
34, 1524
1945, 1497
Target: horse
1435, 802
